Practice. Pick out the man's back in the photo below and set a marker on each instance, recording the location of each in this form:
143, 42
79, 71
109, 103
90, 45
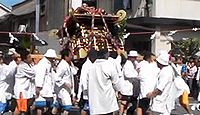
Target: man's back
103, 78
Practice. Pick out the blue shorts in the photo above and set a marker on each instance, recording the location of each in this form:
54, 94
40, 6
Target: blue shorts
63, 107
48, 103
3, 107
86, 106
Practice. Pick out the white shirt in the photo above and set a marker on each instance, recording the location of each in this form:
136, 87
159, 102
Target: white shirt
24, 79
148, 77
83, 80
102, 83
10, 79
198, 74
3, 84
117, 63
179, 67
64, 75
129, 72
44, 77
162, 103
192, 71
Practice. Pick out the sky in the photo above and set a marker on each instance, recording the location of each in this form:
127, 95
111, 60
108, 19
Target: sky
9, 3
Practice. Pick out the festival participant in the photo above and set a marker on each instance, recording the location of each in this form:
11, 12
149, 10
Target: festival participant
103, 81
148, 72
83, 88
129, 72
64, 82
44, 81
3, 84
10, 77
24, 84
162, 102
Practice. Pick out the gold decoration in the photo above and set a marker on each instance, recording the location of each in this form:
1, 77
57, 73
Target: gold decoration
121, 14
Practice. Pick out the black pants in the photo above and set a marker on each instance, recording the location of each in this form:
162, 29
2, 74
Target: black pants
144, 105
131, 110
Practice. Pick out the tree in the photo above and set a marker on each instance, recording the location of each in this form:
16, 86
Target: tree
187, 47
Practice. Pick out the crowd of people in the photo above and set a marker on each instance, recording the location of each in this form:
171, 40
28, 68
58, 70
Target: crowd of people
110, 83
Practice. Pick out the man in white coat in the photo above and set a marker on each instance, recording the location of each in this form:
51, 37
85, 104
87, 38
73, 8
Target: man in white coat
3, 84
64, 81
129, 73
83, 86
103, 80
162, 103
24, 84
10, 76
148, 72
44, 81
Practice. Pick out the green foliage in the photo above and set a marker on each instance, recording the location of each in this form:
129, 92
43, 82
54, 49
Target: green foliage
122, 31
25, 42
188, 47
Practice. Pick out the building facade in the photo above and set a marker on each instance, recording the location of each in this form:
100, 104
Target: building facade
143, 16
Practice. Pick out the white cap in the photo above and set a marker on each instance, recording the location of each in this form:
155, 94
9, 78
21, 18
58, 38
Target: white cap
50, 53
12, 51
133, 53
163, 59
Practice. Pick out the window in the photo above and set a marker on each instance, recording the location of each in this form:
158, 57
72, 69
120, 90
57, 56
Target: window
127, 4
122, 4
42, 7
91, 3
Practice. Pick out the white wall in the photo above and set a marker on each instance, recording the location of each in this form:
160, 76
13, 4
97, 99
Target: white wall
160, 43
182, 9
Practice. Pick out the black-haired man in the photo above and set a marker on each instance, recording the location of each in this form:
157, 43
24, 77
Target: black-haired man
103, 80
64, 82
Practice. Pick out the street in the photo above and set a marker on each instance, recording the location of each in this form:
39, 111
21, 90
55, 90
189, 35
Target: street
180, 110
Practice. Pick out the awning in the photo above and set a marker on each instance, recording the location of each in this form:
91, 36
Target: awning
153, 23
24, 9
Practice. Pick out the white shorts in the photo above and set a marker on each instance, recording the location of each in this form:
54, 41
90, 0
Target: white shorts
65, 97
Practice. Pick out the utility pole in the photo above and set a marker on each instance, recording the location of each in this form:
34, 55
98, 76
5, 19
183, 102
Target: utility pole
37, 15
70, 6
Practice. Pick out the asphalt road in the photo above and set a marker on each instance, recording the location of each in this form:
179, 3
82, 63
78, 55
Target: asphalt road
178, 111
181, 111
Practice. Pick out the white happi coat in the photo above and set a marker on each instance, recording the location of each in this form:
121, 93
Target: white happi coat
162, 103
129, 72
148, 73
64, 75
10, 78
3, 84
103, 80
44, 77
83, 80
24, 81
117, 63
